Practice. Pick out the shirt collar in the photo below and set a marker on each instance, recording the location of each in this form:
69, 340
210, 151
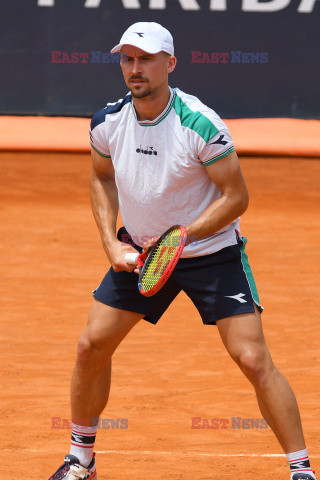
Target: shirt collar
163, 114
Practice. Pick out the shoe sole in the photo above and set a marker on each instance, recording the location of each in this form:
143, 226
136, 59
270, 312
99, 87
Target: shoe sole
93, 476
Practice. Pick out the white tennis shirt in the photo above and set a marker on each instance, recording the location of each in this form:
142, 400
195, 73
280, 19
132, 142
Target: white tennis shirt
160, 166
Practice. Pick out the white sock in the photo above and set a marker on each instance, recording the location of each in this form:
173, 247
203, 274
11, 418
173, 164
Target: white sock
299, 463
82, 442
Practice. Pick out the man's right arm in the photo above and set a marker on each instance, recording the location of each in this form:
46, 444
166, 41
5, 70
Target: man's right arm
105, 207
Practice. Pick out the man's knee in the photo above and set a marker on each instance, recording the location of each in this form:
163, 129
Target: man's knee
89, 355
256, 364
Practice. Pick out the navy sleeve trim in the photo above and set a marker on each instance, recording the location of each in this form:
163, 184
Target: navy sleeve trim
100, 116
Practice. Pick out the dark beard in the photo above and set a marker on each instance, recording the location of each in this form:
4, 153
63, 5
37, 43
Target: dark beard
142, 94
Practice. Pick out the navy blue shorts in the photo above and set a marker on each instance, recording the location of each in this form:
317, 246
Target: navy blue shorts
220, 285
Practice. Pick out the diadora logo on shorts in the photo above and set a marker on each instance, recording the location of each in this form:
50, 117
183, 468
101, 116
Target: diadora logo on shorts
238, 297
147, 151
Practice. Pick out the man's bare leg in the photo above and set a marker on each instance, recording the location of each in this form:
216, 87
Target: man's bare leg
90, 386
243, 337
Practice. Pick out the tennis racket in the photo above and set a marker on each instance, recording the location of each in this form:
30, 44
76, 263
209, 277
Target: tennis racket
156, 265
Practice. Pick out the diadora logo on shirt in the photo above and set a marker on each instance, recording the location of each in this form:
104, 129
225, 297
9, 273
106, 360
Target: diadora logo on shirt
147, 151
220, 141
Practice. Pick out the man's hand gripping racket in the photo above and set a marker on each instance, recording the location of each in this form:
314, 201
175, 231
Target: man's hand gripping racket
156, 265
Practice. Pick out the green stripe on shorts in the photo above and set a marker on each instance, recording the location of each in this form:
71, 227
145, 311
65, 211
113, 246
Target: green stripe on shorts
249, 274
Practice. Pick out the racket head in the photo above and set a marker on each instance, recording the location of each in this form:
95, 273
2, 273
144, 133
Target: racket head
161, 260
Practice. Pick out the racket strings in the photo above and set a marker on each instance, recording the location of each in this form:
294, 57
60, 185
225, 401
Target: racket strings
160, 259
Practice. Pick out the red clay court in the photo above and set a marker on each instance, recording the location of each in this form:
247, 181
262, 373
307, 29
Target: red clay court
163, 376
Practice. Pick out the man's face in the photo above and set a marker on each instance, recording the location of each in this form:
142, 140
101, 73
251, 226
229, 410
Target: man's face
144, 73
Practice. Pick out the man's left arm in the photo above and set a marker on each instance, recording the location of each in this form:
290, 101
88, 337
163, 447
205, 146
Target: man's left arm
227, 176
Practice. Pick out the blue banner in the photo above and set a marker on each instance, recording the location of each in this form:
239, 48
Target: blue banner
243, 58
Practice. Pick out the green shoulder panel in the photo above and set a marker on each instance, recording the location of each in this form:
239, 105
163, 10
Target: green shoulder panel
196, 121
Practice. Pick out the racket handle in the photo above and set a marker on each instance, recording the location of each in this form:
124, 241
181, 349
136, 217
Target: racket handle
131, 258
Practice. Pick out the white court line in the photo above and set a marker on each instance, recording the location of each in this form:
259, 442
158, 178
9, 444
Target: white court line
149, 452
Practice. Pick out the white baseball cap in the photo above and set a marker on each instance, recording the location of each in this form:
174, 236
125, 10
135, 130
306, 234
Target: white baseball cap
149, 36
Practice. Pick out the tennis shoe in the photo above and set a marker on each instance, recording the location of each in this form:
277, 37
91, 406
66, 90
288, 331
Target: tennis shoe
303, 476
72, 470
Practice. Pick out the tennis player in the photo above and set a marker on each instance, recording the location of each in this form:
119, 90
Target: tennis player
165, 158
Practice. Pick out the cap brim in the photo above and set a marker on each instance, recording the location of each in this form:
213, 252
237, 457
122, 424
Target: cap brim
137, 44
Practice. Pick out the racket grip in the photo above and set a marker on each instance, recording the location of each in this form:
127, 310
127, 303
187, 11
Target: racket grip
131, 258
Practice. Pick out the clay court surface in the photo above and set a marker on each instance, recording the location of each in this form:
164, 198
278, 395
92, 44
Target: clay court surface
51, 259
